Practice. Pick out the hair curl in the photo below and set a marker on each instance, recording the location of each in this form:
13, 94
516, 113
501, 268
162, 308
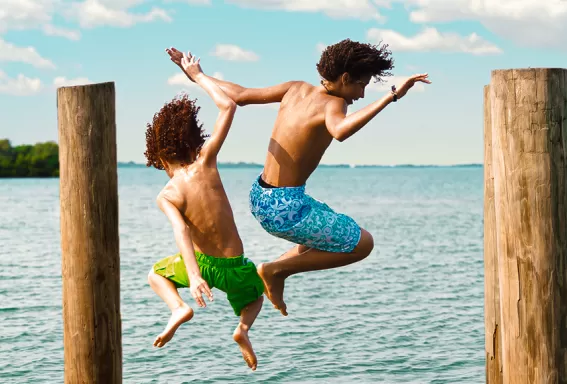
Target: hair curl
356, 59
175, 134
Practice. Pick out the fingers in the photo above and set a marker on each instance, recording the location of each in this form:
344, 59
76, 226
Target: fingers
207, 291
199, 299
202, 289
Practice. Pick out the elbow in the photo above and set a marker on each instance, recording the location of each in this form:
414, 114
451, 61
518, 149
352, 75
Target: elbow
229, 106
337, 134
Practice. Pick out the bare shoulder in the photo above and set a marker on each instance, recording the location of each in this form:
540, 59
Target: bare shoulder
297, 86
334, 103
171, 193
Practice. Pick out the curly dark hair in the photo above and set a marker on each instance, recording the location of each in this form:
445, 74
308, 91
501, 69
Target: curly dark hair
356, 59
175, 134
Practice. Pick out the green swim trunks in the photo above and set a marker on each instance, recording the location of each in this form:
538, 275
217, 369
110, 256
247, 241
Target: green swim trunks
236, 276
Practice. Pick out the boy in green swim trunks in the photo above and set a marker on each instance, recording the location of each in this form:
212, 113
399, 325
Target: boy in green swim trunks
194, 200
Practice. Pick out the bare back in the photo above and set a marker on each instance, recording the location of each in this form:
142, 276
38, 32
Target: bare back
199, 195
299, 137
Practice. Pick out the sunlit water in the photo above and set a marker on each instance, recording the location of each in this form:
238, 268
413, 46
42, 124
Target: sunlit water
410, 313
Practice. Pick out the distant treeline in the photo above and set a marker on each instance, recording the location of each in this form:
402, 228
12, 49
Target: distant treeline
38, 160
42, 160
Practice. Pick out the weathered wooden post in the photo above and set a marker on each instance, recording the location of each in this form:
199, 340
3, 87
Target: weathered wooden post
92, 330
529, 163
493, 349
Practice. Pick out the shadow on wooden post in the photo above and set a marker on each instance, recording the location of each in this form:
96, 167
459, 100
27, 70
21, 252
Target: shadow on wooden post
92, 329
491, 288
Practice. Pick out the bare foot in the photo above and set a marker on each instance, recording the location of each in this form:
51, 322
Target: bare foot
273, 286
179, 316
241, 337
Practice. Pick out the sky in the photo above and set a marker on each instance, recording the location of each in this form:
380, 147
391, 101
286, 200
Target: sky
45, 44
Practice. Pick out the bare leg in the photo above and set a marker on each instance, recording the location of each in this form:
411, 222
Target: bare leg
240, 335
180, 311
302, 259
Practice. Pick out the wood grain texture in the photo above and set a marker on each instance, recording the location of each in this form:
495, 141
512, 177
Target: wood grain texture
529, 131
89, 234
492, 343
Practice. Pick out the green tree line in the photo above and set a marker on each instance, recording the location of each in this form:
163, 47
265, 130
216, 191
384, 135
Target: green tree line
38, 160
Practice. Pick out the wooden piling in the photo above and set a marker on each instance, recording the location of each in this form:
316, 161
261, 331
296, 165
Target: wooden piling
493, 350
89, 234
528, 109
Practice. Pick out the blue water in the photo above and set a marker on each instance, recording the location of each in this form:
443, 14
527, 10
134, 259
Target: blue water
412, 312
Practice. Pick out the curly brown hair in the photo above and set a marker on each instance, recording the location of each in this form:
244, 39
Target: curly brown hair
175, 134
356, 59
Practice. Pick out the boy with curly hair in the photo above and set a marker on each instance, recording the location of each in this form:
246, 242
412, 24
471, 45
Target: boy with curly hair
211, 253
309, 118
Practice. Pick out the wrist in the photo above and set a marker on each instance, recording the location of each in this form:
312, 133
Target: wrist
199, 76
194, 275
394, 94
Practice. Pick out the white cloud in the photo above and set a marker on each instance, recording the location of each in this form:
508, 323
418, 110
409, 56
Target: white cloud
39, 14
233, 52
51, 30
430, 39
93, 13
339, 9
526, 22
182, 80
320, 47
61, 81
25, 14
20, 86
29, 55
191, 2
387, 83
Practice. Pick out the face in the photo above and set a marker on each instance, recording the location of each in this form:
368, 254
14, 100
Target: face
353, 89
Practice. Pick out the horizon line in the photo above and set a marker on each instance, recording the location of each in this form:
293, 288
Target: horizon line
341, 165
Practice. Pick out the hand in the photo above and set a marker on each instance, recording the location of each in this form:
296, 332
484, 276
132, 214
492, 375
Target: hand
401, 92
198, 287
176, 56
190, 65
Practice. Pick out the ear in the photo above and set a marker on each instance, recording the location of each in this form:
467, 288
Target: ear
345, 78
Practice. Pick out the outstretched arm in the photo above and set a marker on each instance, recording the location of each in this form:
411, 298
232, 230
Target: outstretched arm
226, 107
341, 126
182, 233
246, 96
240, 95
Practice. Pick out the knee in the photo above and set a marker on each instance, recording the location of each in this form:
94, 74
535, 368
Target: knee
365, 244
151, 276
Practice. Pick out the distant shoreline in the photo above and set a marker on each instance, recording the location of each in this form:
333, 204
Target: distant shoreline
132, 164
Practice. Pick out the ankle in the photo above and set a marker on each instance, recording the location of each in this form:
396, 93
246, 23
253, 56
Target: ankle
242, 327
178, 305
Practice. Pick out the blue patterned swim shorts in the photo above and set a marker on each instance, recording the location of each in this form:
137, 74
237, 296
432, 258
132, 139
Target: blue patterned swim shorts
289, 213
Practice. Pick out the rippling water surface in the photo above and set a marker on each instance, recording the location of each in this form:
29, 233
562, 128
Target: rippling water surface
410, 313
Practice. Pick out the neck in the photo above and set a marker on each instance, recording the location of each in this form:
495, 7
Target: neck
174, 170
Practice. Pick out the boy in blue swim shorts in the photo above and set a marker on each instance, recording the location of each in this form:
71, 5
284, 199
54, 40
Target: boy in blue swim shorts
291, 214
309, 118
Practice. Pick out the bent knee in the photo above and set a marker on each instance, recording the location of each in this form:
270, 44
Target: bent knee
151, 275
365, 244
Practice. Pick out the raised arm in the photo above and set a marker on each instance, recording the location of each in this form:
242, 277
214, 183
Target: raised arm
226, 107
341, 126
182, 234
240, 95
246, 96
